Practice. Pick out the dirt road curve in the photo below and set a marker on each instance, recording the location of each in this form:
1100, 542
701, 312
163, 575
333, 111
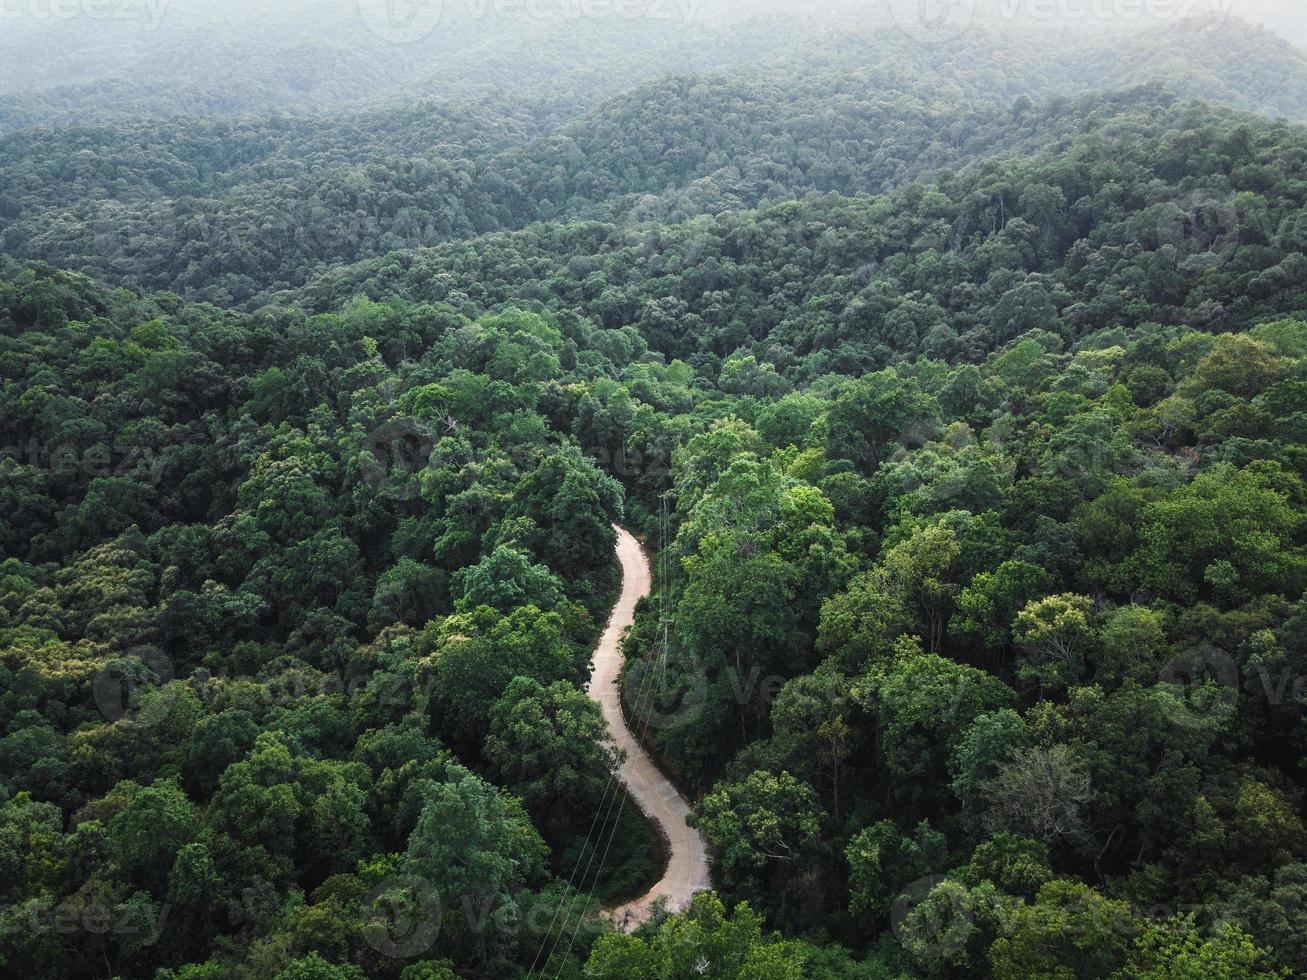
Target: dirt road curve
687, 871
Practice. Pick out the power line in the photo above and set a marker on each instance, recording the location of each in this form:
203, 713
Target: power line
605, 805
663, 532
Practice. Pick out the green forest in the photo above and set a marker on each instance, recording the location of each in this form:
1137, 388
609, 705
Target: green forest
956, 391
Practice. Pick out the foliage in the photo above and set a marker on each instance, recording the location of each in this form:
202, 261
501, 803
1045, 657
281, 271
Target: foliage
979, 419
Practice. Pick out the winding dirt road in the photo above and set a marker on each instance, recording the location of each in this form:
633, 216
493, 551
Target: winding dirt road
687, 868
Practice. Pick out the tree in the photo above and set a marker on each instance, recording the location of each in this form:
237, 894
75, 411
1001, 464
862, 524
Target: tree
924, 705
552, 749
811, 714
477, 848
147, 834
1055, 633
218, 741
31, 842
761, 828
990, 742
314, 967
1070, 930
788, 421
575, 506
409, 592
988, 607
1177, 950
505, 580
882, 861
1040, 793
1245, 518
324, 570
873, 413
299, 812
919, 572
860, 623
1132, 643
745, 376
701, 941
943, 927
1271, 909
737, 615
1015, 865
469, 660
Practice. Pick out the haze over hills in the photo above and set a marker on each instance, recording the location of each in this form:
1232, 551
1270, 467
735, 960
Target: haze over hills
155, 58
253, 59
234, 211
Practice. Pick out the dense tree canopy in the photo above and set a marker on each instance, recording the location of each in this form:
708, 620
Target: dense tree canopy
976, 397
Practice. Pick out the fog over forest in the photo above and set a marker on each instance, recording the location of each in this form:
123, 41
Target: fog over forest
317, 53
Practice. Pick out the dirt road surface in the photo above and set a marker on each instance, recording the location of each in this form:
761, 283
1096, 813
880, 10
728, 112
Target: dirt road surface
687, 869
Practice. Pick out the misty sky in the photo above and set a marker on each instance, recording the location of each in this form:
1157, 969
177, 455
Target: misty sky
45, 44
162, 17
1286, 17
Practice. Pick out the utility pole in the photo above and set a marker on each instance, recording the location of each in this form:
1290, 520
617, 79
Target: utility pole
664, 618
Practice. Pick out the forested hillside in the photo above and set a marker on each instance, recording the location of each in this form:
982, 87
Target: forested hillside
248, 59
227, 580
1152, 211
233, 211
958, 392
1212, 58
